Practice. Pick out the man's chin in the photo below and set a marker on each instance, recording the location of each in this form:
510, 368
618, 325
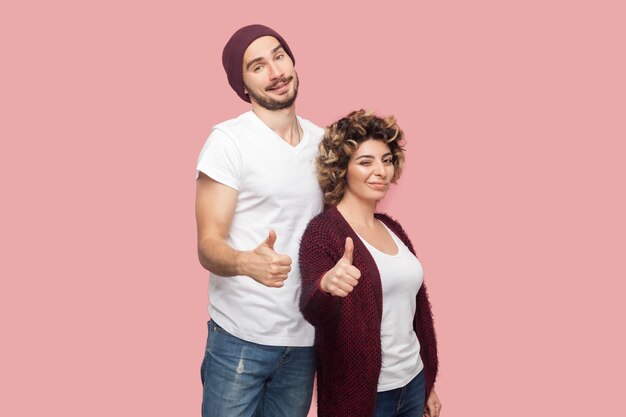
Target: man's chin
279, 103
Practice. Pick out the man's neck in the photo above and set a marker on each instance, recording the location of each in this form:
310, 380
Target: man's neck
282, 121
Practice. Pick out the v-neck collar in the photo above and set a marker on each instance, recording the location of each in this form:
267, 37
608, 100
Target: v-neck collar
295, 149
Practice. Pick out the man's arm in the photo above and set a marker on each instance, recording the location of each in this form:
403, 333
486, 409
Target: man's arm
215, 208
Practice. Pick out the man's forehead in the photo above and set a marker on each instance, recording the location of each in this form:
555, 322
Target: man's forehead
261, 46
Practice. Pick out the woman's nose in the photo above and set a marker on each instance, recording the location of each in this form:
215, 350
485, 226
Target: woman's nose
379, 169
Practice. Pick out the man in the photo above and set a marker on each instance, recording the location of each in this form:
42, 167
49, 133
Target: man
256, 192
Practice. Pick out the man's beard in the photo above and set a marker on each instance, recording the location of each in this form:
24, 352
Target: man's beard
272, 104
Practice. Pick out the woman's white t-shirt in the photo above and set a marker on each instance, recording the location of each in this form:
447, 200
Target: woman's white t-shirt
401, 276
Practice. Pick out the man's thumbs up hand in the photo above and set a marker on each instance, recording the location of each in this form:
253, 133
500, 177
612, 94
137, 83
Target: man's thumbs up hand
265, 265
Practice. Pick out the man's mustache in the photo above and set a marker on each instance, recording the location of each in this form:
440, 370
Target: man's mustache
279, 81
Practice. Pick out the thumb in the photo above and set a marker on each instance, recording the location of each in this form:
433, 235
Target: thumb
347, 255
271, 238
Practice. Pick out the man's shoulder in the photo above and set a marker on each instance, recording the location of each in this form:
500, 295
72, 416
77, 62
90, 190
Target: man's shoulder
232, 131
234, 124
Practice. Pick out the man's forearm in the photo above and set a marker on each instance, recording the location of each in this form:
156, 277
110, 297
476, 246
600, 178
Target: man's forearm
218, 257
262, 263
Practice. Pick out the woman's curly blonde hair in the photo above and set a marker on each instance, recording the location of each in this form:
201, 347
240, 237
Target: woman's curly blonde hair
341, 140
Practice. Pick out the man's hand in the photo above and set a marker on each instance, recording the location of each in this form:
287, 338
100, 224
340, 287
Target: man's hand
341, 280
433, 406
265, 265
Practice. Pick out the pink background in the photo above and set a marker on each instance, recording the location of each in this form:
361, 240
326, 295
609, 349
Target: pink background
513, 192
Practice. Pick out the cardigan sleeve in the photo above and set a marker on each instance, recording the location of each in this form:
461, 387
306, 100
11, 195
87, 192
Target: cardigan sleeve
316, 258
427, 337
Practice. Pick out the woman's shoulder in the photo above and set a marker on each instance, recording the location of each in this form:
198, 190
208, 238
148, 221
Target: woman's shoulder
326, 220
389, 221
324, 230
395, 227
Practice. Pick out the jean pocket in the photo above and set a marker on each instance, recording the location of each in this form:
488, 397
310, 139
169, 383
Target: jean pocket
219, 330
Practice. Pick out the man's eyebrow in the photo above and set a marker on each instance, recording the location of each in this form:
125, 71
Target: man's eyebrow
255, 60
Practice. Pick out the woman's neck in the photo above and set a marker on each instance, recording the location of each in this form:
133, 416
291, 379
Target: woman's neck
357, 212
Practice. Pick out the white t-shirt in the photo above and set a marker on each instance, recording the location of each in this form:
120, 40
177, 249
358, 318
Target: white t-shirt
277, 189
401, 276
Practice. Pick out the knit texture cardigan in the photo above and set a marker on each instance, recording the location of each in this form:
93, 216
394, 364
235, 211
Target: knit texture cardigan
347, 330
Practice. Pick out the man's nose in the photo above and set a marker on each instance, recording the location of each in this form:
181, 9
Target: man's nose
275, 70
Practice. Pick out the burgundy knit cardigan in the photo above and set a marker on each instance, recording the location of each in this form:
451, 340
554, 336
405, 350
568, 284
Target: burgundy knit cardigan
347, 330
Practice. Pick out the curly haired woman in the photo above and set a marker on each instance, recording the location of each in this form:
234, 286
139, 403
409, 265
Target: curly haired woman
362, 285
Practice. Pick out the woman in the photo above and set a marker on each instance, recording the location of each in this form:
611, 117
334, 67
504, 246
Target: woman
362, 284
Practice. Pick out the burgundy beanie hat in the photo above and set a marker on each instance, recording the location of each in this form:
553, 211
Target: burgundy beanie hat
232, 56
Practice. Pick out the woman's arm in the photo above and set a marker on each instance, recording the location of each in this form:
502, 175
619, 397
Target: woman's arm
318, 257
433, 406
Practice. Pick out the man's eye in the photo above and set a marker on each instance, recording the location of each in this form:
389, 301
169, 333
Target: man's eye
280, 56
257, 68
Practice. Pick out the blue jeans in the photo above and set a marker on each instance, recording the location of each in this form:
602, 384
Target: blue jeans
407, 401
244, 379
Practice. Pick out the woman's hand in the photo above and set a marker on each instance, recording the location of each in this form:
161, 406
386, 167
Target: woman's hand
433, 406
341, 280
